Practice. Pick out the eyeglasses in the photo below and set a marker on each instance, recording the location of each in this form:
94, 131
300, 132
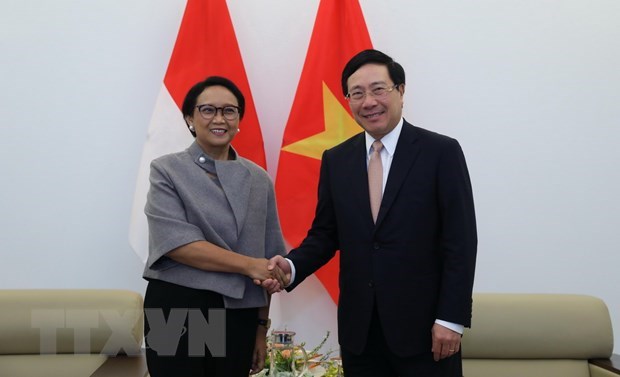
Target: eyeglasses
208, 112
378, 92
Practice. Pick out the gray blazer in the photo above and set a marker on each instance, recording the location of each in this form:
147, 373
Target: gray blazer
228, 203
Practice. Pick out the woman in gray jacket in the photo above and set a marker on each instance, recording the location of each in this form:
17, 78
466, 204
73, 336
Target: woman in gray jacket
213, 225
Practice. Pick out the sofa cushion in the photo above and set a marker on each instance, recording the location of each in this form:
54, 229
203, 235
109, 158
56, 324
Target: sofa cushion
50, 365
525, 368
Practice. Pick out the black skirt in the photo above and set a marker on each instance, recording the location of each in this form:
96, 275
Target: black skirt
189, 333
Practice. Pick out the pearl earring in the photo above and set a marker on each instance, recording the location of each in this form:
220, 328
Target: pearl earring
191, 128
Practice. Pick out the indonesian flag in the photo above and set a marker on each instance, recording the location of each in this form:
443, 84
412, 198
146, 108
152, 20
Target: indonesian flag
319, 119
206, 46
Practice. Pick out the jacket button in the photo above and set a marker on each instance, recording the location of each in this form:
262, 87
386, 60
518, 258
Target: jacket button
202, 160
371, 284
376, 246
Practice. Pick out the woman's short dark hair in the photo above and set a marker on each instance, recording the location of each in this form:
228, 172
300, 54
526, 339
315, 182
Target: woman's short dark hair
395, 70
189, 103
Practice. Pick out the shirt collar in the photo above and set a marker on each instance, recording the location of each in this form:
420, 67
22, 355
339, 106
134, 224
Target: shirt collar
389, 141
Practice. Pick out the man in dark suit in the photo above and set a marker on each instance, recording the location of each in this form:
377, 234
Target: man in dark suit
406, 265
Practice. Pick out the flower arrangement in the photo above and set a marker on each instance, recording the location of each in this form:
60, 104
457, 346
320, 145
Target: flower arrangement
318, 364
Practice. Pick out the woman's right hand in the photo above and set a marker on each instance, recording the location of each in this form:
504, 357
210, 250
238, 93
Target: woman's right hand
258, 271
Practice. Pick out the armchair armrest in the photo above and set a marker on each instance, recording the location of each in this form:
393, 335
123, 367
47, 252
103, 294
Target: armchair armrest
612, 364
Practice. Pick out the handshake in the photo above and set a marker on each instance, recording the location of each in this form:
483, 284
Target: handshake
272, 274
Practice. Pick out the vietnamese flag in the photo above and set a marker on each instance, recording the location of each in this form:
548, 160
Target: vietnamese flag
319, 119
206, 45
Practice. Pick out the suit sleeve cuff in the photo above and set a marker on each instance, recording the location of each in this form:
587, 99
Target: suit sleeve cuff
452, 326
290, 262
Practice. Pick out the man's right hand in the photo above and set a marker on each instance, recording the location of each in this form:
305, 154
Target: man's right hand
281, 270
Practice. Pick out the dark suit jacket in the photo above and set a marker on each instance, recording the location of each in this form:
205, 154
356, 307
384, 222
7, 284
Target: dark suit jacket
417, 263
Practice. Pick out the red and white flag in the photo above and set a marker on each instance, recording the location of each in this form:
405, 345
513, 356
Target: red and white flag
205, 46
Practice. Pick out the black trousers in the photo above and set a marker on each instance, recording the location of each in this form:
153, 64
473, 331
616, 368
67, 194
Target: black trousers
174, 324
377, 360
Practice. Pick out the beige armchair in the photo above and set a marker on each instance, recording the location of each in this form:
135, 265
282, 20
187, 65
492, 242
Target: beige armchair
523, 335
71, 332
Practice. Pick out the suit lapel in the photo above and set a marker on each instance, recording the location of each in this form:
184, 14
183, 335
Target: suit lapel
236, 183
234, 179
350, 176
359, 176
406, 152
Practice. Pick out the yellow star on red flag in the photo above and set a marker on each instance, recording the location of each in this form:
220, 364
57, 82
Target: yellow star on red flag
339, 126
